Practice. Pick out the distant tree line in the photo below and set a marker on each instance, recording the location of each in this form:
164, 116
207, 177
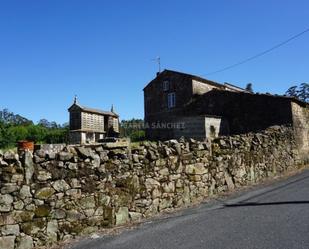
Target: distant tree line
14, 128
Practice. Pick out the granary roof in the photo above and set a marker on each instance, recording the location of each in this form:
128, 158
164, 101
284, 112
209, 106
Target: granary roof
93, 110
197, 78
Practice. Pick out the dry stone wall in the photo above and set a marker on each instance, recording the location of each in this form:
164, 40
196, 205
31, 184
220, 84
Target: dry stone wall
301, 127
48, 196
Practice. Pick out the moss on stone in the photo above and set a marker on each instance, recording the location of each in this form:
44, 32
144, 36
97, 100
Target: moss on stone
23, 216
89, 186
124, 198
74, 227
42, 211
44, 193
33, 227
108, 216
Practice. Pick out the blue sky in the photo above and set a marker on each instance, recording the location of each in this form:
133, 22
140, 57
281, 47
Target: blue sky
51, 50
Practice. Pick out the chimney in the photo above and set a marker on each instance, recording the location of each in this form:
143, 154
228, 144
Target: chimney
158, 74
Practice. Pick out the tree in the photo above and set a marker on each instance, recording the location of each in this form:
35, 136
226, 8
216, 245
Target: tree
54, 125
56, 136
133, 128
8, 117
14, 127
18, 132
292, 92
44, 122
300, 92
2, 135
36, 133
304, 92
249, 87
138, 135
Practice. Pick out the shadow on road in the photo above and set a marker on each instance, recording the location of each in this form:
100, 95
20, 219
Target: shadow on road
248, 204
281, 186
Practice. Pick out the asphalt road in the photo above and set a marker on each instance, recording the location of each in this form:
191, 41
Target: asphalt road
276, 216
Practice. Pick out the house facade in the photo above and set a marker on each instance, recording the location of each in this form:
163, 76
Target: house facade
167, 97
178, 104
88, 125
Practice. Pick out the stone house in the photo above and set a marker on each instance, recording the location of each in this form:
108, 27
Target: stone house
178, 104
168, 95
88, 125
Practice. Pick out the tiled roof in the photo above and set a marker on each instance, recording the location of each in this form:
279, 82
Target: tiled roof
97, 111
197, 78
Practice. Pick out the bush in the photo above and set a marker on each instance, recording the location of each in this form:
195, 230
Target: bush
137, 136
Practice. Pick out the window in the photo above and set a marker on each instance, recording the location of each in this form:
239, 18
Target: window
171, 100
165, 85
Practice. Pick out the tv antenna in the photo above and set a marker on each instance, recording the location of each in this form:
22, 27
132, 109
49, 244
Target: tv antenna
158, 60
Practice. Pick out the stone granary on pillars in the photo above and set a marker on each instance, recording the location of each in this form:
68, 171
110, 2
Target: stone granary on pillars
88, 125
179, 104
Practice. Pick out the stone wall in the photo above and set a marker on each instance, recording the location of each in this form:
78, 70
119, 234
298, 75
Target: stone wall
244, 112
50, 147
197, 127
301, 127
192, 127
51, 196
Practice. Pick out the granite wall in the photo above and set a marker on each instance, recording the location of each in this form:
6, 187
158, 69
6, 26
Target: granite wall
49, 196
301, 128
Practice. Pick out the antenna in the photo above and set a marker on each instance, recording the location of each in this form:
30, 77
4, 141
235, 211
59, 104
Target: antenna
158, 60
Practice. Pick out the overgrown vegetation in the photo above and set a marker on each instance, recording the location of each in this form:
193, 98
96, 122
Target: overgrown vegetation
133, 128
14, 128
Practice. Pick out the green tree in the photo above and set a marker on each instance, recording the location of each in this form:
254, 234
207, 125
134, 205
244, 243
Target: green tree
57, 135
15, 127
292, 92
44, 122
300, 92
304, 92
133, 128
8, 117
18, 132
138, 135
3, 140
36, 133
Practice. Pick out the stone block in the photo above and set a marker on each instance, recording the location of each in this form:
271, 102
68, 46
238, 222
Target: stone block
10, 230
65, 156
135, 216
5, 202
150, 183
7, 242
25, 242
196, 169
9, 188
51, 231
60, 185
43, 175
28, 165
122, 216
44, 193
